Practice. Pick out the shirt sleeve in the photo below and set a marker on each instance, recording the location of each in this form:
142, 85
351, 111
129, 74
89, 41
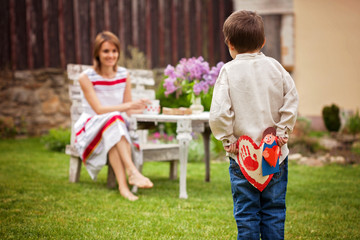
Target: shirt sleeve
289, 109
221, 113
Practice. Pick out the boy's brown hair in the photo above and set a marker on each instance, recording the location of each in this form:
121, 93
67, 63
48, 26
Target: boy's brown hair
245, 31
269, 130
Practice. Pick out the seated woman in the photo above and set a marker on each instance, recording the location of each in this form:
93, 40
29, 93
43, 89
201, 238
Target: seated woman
101, 130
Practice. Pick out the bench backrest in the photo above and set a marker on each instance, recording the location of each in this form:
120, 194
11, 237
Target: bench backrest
140, 78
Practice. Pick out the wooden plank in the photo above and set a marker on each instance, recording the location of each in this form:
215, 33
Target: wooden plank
192, 28
5, 43
113, 18
187, 27
154, 35
135, 23
161, 32
37, 40
210, 32
13, 40
217, 32
61, 34
29, 34
5, 46
121, 30
221, 35
99, 16
74, 70
142, 77
92, 15
174, 36
198, 28
160, 152
148, 33
180, 30
69, 32
84, 32
77, 31
20, 30
228, 10
106, 15
53, 34
46, 32
204, 30
167, 31
62, 31
141, 18
128, 25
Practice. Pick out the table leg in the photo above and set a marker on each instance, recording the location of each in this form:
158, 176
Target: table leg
184, 137
206, 140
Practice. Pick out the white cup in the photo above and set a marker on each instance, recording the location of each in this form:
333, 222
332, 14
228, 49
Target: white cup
153, 108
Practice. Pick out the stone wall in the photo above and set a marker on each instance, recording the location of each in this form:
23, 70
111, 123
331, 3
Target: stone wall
34, 101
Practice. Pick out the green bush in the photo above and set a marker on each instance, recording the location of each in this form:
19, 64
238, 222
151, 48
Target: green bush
302, 126
317, 134
57, 139
10, 127
133, 58
206, 99
216, 147
6, 130
306, 145
172, 101
182, 100
355, 148
353, 124
331, 118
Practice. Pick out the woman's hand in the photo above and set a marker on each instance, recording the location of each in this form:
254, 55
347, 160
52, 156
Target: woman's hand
137, 107
139, 104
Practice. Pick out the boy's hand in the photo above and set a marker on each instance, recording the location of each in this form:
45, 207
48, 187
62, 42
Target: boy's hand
232, 148
282, 140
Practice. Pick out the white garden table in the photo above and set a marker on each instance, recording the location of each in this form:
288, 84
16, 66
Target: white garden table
186, 124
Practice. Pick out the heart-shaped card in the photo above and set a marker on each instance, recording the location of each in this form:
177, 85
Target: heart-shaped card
249, 159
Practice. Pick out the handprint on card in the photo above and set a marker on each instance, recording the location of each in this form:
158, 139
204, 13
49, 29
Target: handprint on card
250, 163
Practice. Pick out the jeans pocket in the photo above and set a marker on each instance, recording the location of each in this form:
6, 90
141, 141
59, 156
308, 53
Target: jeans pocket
281, 170
235, 169
278, 174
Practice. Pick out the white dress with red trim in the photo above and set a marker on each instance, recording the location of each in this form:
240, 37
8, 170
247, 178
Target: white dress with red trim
97, 134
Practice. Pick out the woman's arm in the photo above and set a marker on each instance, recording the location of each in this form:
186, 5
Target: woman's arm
128, 98
127, 92
95, 104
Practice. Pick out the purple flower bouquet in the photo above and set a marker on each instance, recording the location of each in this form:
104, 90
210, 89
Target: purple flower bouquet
192, 77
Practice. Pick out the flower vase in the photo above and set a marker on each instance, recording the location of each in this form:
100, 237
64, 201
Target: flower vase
196, 107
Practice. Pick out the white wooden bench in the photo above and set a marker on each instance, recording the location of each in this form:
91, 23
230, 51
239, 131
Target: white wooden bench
148, 152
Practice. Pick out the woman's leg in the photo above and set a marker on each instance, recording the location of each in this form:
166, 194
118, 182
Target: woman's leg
118, 167
135, 177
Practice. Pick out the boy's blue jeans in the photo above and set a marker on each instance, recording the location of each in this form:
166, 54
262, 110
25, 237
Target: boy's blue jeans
259, 214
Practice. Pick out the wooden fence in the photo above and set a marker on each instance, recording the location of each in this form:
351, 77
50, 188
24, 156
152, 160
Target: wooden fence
52, 33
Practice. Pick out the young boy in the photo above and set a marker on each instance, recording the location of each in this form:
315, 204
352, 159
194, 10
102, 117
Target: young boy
253, 92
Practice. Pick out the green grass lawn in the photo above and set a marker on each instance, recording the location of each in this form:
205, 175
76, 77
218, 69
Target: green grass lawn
38, 202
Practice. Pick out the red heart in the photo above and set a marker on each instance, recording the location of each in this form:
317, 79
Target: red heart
273, 155
249, 159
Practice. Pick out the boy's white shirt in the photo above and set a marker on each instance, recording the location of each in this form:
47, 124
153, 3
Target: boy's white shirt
253, 92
